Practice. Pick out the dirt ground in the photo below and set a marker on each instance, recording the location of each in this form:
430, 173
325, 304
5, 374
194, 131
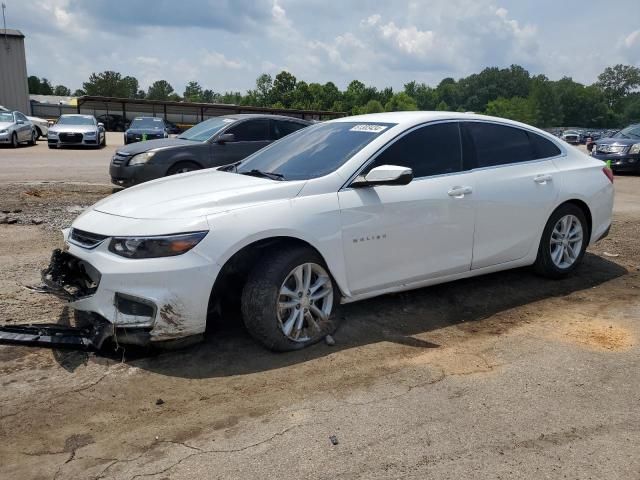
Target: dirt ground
503, 376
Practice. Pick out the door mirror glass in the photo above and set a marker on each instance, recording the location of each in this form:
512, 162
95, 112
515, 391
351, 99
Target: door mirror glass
226, 137
385, 175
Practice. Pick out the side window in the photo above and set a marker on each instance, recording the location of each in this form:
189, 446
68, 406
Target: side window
429, 150
251, 130
20, 116
284, 128
499, 144
543, 148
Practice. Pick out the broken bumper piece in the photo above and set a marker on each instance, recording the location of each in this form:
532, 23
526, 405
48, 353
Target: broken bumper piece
57, 336
68, 277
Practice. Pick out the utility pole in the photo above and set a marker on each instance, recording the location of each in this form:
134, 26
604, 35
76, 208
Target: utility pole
4, 24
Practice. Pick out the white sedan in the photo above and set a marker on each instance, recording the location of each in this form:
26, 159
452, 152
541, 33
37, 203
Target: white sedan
338, 212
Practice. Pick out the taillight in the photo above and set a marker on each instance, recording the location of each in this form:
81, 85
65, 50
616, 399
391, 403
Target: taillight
609, 173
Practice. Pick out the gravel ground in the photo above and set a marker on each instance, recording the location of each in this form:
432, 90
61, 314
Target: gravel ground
503, 376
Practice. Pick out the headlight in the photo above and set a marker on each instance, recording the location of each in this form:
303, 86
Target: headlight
635, 148
90, 134
3, 131
141, 158
153, 247
52, 134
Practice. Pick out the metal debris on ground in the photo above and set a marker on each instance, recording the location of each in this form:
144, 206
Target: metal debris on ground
334, 440
329, 340
607, 254
159, 401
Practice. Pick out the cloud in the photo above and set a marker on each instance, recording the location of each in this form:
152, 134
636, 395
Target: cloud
630, 47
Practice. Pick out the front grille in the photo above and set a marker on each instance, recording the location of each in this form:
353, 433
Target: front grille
86, 239
120, 159
70, 137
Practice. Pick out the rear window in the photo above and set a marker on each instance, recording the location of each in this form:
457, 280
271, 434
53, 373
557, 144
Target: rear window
543, 148
499, 144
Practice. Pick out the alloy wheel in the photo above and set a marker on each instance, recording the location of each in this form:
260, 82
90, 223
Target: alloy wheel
566, 241
305, 302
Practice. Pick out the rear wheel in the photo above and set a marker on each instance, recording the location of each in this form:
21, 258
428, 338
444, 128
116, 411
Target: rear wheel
34, 138
288, 299
39, 132
563, 242
183, 167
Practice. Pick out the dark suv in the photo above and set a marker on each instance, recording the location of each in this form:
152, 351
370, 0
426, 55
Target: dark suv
214, 142
622, 149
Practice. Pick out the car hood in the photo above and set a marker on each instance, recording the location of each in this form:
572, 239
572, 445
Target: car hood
73, 128
4, 125
135, 148
195, 194
617, 141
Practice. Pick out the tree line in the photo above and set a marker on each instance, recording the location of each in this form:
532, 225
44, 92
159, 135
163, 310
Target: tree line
612, 101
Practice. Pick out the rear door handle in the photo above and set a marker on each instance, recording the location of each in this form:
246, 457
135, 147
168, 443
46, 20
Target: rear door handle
542, 179
459, 192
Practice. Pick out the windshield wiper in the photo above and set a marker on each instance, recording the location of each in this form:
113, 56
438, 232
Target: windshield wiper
260, 173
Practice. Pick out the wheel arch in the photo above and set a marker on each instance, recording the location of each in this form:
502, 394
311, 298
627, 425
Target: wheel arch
177, 161
235, 269
582, 205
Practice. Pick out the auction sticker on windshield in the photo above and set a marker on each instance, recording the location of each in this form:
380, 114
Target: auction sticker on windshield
367, 128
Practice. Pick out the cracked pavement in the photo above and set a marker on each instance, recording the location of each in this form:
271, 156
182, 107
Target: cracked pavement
503, 376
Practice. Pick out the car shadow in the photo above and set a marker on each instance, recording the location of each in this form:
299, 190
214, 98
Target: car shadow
390, 318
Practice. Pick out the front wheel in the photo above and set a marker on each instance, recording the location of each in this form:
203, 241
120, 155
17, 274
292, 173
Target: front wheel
34, 138
183, 167
14, 140
563, 243
288, 300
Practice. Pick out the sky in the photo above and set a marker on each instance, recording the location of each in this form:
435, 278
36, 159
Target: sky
226, 44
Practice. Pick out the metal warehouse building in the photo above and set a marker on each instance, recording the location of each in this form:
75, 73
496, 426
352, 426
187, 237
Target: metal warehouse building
14, 88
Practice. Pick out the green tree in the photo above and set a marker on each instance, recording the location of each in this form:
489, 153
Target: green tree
264, 84
111, 84
209, 96
193, 92
283, 89
78, 92
372, 106
442, 106
515, 108
61, 91
426, 97
544, 101
618, 81
34, 85
45, 87
400, 102
159, 90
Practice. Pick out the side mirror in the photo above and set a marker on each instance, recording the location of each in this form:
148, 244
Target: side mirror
20, 122
384, 175
100, 125
226, 137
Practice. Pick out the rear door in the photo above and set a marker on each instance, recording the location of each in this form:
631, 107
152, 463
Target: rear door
250, 136
515, 186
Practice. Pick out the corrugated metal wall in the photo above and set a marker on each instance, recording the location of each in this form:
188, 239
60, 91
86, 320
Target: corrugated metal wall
14, 89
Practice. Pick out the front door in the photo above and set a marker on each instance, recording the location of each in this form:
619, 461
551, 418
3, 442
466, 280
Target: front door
250, 136
394, 235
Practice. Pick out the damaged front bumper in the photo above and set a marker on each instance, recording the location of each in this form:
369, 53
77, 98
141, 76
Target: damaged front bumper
146, 301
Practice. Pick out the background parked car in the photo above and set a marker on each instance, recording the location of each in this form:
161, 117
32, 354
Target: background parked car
622, 149
41, 125
77, 130
571, 136
145, 128
15, 128
172, 128
113, 123
214, 142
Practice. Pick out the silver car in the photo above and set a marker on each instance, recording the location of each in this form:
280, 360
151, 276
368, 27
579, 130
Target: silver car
15, 128
77, 130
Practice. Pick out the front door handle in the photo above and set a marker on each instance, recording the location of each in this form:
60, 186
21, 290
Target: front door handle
459, 192
542, 179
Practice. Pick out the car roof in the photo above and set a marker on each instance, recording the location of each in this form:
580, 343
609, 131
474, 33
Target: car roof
410, 118
245, 116
77, 115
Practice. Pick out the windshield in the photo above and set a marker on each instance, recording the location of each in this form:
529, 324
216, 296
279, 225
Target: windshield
75, 120
147, 122
314, 151
629, 132
6, 117
205, 130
